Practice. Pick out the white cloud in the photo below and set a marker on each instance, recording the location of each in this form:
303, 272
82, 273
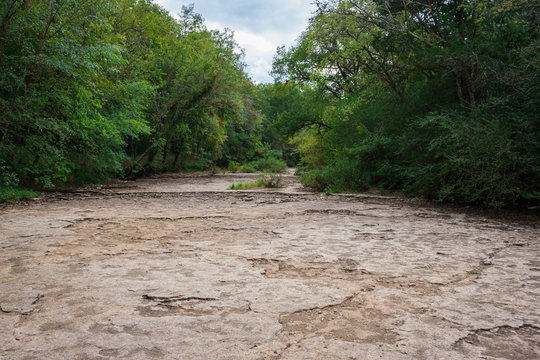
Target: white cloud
259, 44
259, 49
259, 26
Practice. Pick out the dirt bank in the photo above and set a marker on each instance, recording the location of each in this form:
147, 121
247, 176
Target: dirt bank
178, 267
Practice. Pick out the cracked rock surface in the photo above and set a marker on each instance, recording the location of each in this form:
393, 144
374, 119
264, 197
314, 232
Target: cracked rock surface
179, 267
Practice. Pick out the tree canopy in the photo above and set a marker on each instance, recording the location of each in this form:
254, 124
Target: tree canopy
92, 88
438, 98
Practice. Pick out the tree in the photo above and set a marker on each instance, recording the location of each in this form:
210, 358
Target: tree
88, 88
58, 122
430, 97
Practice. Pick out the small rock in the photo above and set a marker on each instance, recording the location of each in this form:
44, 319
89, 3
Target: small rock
487, 262
412, 284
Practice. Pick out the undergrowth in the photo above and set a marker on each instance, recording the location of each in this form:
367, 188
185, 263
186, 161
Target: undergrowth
265, 181
9, 194
268, 161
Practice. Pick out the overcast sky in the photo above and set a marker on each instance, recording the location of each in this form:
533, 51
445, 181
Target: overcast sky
259, 26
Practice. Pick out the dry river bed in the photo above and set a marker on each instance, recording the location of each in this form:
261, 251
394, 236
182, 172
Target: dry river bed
179, 267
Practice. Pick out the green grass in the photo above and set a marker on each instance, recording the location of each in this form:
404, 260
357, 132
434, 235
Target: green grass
265, 181
9, 194
248, 185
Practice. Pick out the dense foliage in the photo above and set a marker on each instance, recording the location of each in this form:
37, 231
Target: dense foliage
437, 98
93, 89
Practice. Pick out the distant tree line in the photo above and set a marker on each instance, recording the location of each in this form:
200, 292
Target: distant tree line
434, 98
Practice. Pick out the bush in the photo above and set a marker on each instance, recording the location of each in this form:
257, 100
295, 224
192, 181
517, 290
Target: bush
9, 194
269, 164
265, 181
248, 168
234, 166
313, 179
486, 157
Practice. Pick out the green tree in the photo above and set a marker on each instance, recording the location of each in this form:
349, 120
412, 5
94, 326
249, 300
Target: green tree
88, 88
434, 98
58, 123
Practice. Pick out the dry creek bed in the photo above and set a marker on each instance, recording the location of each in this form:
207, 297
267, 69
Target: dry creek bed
179, 267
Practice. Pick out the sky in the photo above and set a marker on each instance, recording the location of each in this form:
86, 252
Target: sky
259, 26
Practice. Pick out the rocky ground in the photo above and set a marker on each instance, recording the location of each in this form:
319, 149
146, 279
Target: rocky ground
179, 267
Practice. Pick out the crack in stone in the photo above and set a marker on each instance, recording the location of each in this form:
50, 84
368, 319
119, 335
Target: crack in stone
110, 221
482, 265
36, 300
319, 308
275, 268
176, 298
493, 329
39, 297
13, 245
289, 341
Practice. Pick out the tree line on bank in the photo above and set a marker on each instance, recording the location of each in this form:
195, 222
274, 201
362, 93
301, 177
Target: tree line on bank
437, 98
434, 98
94, 89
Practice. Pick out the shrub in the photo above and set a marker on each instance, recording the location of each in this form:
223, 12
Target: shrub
265, 181
313, 179
269, 164
9, 194
234, 166
248, 168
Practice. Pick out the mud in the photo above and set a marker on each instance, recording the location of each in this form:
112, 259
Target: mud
179, 267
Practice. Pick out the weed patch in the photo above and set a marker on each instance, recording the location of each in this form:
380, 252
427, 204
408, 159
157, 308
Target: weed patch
265, 181
9, 194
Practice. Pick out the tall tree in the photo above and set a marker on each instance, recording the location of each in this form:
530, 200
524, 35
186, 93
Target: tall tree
431, 97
